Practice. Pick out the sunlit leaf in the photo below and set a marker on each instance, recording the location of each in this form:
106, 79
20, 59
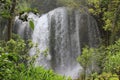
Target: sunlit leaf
31, 23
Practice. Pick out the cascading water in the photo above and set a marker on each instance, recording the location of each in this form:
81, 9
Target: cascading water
22, 27
63, 33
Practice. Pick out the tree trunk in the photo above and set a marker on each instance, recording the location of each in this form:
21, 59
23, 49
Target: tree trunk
10, 20
84, 74
119, 77
118, 73
9, 29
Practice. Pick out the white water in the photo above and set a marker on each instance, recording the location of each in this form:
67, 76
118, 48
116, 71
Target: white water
41, 37
63, 34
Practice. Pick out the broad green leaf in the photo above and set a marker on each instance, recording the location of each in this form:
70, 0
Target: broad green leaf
31, 24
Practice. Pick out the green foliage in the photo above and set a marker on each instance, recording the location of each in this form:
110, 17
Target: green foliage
107, 13
69, 3
112, 63
85, 58
31, 23
14, 56
39, 73
107, 59
5, 14
94, 7
5, 8
111, 16
23, 6
109, 8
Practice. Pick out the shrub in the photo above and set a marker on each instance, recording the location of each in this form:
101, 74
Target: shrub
14, 56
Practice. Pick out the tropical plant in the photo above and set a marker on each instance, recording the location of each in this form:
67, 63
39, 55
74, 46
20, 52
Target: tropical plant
16, 64
85, 60
112, 63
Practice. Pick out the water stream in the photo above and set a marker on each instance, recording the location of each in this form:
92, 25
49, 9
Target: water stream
63, 33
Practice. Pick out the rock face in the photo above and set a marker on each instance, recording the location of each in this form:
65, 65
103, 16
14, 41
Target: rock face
60, 35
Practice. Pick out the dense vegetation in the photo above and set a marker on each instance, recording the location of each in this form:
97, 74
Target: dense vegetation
106, 58
14, 63
107, 55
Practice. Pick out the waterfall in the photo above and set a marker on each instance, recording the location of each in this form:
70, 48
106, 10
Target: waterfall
63, 34
23, 28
